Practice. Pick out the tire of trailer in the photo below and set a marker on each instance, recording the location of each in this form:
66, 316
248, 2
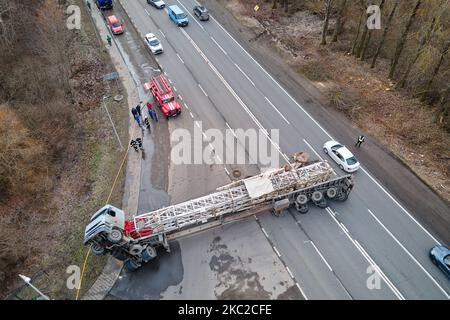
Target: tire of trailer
303, 209
331, 192
149, 253
302, 199
131, 265
342, 195
97, 250
322, 203
115, 236
119, 253
136, 249
317, 196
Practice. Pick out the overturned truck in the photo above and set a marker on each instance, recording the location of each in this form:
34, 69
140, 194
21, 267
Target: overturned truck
135, 241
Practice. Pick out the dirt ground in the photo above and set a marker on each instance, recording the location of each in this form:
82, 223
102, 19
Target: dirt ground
80, 181
402, 124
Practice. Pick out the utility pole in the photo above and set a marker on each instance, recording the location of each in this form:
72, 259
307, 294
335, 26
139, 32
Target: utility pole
28, 281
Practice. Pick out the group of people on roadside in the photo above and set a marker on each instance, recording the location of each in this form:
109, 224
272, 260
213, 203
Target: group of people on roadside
142, 121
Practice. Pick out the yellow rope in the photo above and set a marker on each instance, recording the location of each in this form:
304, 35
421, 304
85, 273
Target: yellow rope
107, 201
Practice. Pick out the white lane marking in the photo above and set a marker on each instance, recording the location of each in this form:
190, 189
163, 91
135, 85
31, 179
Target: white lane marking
192, 116
301, 291
265, 233
320, 254
218, 158
165, 73
170, 81
368, 259
343, 227
242, 71
298, 105
205, 136
409, 254
204, 92
175, 88
230, 89
193, 18
273, 106
401, 207
197, 124
162, 33
180, 97
180, 58
289, 271
226, 170
145, 11
232, 131
276, 251
310, 146
220, 47
187, 107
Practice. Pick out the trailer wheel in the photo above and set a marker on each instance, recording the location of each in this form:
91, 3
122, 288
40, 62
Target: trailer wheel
302, 208
136, 249
115, 236
149, 253
342, 195
132, 265
322, 204
302, 199
331, 192
97, 249
317, 196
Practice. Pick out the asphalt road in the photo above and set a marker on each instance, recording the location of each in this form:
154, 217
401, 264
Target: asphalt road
330, 253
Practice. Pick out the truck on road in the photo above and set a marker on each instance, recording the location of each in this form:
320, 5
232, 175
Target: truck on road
135, 241
104, 4
163, 94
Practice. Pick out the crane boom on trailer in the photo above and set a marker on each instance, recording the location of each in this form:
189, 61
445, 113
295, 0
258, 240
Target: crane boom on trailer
134, 241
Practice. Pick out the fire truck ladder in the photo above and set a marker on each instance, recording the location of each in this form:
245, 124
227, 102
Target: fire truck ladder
235, 197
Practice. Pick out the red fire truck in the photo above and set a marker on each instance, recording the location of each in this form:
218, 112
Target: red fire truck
163, 94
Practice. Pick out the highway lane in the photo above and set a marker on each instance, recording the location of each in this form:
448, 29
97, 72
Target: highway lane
230, 105
395, 222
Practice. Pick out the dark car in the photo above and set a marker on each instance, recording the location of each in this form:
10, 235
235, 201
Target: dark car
201, 12
157, 3
440, 256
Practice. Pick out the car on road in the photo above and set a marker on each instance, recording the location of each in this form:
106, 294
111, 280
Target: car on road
341, 155
159, 4
178, 16
115, 25
440, 256
202, 13
153, 43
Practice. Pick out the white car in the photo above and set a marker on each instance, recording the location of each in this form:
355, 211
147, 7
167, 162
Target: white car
157, 3
153, 43
341, 155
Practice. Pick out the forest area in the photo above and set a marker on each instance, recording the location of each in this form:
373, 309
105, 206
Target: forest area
50, 94
390, 77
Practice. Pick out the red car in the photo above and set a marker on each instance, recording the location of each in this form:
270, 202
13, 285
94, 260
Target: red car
115, 25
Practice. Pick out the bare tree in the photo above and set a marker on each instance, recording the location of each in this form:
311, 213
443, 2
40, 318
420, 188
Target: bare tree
402, 41
7, 30
419, 51
383, 37
328, 6
337, 29
355, 41
369, 35
444, 52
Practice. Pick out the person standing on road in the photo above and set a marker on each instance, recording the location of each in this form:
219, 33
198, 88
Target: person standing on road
136, 116
139, 143
109, 40
147, 123
134, 144
138, 109
155, 116
360, 140
149, 108
88, 4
